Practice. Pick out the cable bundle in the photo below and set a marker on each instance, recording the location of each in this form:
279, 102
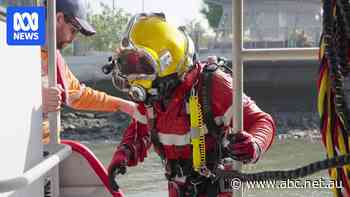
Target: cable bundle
332, 104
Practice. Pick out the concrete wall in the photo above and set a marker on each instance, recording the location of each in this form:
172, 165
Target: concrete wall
259, 73
88, 68
282, 86
279, 85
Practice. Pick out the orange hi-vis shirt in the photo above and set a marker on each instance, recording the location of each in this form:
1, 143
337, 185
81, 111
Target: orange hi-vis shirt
76, 95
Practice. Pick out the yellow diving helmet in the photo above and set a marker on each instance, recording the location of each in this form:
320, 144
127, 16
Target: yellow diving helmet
151, 49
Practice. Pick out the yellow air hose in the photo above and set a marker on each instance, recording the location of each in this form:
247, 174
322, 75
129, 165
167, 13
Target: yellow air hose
197, 133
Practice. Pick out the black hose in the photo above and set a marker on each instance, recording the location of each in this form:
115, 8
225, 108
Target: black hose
277, 175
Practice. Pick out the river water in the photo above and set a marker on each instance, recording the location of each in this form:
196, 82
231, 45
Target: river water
147, 179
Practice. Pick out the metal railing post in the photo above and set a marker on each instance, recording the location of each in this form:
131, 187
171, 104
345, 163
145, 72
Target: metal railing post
54, 117
237, 77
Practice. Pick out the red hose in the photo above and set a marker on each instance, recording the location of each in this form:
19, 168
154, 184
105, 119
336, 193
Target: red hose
96, 165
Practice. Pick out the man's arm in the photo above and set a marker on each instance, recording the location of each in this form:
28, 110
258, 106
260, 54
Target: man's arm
85, 98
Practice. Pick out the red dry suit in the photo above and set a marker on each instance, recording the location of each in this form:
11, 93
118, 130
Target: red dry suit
171, 125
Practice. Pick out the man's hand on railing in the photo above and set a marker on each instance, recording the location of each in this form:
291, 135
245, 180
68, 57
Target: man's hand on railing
52, 98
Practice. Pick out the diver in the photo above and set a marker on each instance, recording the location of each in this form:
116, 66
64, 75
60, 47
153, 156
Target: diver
185, 110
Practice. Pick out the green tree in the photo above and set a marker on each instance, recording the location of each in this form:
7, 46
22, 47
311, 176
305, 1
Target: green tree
213, 13
110, 25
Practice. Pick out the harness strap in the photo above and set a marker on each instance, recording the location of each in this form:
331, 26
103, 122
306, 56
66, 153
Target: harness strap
213, 129
207, 74
195, 182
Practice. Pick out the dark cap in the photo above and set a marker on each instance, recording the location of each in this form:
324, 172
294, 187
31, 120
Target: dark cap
78, 10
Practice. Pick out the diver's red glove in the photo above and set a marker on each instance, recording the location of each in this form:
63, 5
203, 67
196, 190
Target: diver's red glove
118, 165
243, 147
119, 161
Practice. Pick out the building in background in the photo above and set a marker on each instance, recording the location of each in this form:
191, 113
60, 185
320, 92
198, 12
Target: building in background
273, 23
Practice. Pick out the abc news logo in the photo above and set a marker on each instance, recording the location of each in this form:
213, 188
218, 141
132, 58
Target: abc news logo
25, 25
29, 29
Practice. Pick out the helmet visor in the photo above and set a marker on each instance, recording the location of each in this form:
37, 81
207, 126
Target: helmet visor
136, 62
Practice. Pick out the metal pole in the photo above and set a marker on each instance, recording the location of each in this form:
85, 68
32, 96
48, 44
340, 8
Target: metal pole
237, 77
143, 5
54, 117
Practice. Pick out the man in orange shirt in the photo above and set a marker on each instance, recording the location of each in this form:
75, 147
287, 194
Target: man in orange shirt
71, 19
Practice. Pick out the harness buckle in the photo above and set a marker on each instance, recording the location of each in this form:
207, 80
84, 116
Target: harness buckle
206, 172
